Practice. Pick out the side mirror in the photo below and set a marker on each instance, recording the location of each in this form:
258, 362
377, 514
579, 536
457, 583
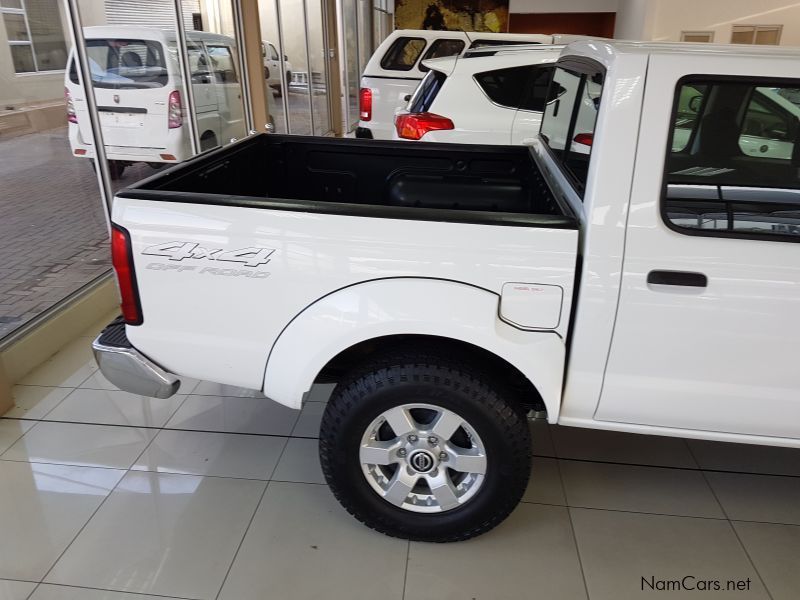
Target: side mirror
694, 103
407, 97
556, 106
285, 57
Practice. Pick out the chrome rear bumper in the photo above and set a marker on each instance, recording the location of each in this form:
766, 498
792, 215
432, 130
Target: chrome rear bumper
127, 368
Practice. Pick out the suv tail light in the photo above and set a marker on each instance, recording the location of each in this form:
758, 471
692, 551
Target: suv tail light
365, 104
413, 126
584, 138
174, 110
72, 116
122, 259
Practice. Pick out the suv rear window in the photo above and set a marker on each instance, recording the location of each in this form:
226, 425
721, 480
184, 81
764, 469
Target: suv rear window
124, 64
426, 92
522, 87
491, 43
441, 49
569, 119
733, 167
402, 55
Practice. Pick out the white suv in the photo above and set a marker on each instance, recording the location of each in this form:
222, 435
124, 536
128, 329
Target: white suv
491, 96
398, 65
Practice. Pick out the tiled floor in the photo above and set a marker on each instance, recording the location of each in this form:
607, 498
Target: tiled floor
218, 493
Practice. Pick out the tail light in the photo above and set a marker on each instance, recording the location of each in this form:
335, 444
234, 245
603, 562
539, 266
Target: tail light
72, 116
414, 125
584, 138
174, 110
365, 104
122, 259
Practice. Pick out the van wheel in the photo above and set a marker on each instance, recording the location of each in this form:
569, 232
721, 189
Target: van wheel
208, 141
425, 448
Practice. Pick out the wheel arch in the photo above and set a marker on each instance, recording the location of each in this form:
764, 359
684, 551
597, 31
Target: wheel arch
338, 330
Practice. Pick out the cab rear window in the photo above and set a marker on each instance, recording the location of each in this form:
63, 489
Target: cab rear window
124, 64
569, 119
403, 54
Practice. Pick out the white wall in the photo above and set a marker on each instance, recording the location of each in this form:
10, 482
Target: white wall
673, 16
562, 6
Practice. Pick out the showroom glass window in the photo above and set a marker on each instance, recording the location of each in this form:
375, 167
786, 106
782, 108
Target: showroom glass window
35, 35
733, 167
569, 119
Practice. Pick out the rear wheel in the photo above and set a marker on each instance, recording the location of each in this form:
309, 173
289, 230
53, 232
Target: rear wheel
428, 449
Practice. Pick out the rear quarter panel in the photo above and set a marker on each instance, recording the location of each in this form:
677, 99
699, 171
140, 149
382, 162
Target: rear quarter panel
218, 321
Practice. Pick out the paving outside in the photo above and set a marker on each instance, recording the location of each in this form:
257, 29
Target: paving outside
53, 237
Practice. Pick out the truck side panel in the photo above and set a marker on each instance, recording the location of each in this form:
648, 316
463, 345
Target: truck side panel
223, 282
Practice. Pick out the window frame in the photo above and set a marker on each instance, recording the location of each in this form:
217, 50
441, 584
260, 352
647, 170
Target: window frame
586, 67
733, 234
404, 39
426, 53
29, 42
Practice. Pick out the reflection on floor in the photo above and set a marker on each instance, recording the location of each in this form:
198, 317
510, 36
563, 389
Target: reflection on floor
217, 493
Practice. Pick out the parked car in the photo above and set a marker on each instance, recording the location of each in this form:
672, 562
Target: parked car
272, 68
397, 66
448, 289
139, 93
494, 98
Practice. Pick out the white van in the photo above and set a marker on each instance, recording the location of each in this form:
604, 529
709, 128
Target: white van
140, 95
272, 67
396, 68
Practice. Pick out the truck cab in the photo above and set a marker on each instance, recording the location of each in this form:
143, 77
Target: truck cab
635, 268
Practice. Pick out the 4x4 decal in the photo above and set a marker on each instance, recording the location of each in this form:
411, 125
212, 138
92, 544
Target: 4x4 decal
177, 251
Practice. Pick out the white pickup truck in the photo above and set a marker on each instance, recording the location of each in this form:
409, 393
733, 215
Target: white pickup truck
647, 286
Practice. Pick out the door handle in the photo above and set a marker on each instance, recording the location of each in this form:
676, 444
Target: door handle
683, 278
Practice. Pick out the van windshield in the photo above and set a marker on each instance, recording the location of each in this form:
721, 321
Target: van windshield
125, 64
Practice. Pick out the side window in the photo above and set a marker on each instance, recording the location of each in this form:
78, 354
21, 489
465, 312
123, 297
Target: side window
498, 42
505, 86
733, 168
198, 64
440, 49
570, 116
535, 97
403, 54
273, 53
222, 64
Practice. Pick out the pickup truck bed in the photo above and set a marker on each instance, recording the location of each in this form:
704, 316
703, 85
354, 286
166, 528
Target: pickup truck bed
449, 182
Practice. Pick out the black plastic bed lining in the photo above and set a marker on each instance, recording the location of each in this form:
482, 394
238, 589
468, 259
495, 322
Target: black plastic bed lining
403, 180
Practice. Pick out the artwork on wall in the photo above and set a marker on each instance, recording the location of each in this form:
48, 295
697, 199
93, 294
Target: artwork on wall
453, 15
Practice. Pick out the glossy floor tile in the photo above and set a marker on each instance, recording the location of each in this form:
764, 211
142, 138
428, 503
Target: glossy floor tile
68, 368
625, 555
775, 552
745, 458
768, 498
34, 401
502, 564
81, 445
631, 488
218, 493
300, 462
113, 407
163, 534
62, 592
42, 508
11, 431
15, 590
234, 414
613, 446
217, 454
303, 545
